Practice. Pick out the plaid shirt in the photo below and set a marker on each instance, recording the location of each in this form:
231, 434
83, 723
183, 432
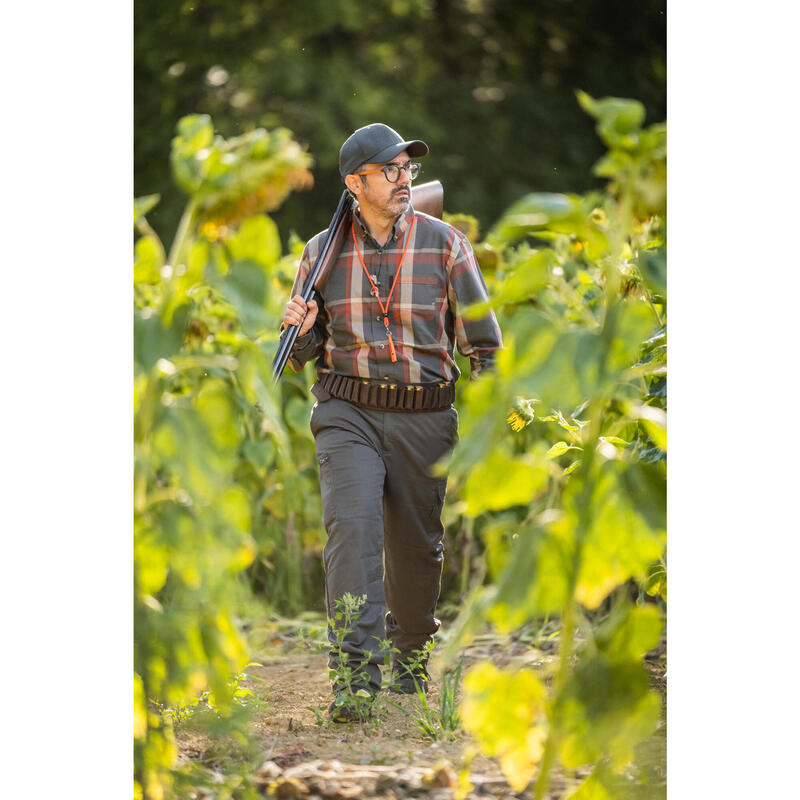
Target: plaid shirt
438, 278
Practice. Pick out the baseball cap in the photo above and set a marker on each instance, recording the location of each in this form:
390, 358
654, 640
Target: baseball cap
375, 144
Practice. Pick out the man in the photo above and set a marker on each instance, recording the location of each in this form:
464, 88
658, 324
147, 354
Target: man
383, 332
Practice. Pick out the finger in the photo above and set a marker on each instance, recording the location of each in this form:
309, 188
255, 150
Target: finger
292, 317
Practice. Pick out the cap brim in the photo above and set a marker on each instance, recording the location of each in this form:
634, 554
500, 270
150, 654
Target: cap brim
415, 148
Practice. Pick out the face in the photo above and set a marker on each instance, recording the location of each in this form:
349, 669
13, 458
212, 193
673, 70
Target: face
375, 194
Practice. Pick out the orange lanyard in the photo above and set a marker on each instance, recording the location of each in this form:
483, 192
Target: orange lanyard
384, 308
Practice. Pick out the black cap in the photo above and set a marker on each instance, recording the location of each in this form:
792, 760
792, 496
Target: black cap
375, 144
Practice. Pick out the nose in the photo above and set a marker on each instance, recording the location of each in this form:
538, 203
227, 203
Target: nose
404, 178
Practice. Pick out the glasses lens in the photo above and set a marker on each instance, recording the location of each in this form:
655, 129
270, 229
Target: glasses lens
392, 171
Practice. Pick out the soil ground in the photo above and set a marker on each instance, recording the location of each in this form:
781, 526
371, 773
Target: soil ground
304, 755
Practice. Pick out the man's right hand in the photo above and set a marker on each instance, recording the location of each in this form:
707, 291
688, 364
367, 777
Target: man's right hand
298, 311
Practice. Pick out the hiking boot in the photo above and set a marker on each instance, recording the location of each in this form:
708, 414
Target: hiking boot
351, 707
409, 677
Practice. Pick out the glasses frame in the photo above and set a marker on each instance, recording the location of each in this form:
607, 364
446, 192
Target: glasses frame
407, 167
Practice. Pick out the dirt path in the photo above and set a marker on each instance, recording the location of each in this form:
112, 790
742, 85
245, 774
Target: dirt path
305, 756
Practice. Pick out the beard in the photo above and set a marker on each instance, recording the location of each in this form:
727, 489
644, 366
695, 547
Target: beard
391, 206
400, 199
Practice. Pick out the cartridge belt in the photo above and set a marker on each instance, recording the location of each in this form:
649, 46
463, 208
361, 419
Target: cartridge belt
388, 396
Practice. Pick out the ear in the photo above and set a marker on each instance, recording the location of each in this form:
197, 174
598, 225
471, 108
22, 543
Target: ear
353, 183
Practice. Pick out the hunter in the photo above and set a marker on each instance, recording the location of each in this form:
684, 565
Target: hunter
382, 332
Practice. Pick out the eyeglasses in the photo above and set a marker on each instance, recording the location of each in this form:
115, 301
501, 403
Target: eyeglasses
392, 171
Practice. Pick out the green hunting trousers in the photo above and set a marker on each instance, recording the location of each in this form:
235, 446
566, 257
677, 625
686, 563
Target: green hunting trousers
380, 498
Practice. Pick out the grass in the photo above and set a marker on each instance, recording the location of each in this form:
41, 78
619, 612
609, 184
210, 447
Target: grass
440, 722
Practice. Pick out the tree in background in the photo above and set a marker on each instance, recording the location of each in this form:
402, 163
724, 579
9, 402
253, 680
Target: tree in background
487, 83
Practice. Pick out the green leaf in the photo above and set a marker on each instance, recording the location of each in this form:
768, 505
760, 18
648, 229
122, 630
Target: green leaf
153, 340
558, 449
653, 269
533, 212
498, 536
607, 709
535, 580
502, 481
190, 149
256, 241
151, 559
148, 260
619, 543
646, 487
529, 276
142, 205
629, 633
298, 413
561, 419
619, 119
634, 324
246, 288
561, 368
654, 421
261, 454
656, 583
215, 407
233, 506
505, 712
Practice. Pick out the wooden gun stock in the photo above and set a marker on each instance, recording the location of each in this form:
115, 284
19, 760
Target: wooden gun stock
428, 198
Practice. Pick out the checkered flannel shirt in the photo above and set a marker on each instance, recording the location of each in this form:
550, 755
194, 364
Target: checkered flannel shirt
438, 278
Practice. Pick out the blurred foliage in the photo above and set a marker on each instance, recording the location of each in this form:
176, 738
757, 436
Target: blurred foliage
504, 70
225, 474
557, 493
566, 490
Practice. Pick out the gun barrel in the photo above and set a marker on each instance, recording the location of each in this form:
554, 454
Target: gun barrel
289, 335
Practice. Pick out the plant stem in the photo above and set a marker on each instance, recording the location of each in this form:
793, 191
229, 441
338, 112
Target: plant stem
466, 559
184, 226
146, 229
585, 512
654, 310
565, 652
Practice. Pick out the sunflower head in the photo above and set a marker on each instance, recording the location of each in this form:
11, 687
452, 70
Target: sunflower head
521, 415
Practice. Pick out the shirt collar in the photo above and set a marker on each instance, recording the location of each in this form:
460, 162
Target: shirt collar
398, 229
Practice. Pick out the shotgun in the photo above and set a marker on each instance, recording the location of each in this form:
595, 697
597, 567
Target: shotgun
427, 197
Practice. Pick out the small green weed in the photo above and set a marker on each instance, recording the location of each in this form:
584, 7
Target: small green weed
440, 722
242, 695
348, 677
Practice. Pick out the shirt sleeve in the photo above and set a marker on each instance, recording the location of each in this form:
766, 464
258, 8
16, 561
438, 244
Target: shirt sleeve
311, 344
478, 339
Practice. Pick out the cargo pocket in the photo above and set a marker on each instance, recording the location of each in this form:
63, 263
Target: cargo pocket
326, 489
